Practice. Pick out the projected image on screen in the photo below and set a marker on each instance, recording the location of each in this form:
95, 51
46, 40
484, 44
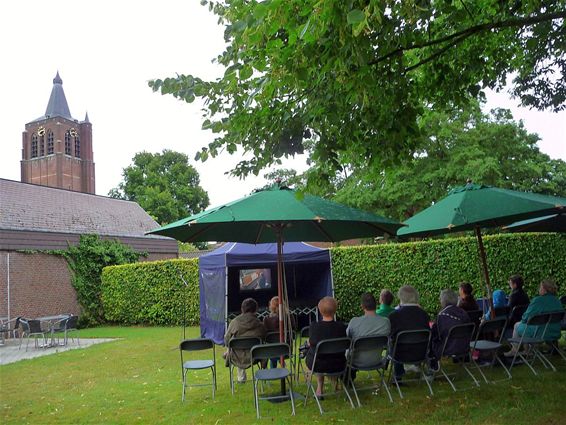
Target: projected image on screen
255, 279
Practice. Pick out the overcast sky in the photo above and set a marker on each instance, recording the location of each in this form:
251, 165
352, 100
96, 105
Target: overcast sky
106, 51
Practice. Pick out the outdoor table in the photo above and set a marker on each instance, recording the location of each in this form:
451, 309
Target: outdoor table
51, 321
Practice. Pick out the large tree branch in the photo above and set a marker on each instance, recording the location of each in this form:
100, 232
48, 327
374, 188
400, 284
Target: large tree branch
461, 35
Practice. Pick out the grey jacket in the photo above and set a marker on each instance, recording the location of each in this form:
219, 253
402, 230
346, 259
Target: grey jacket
246, 324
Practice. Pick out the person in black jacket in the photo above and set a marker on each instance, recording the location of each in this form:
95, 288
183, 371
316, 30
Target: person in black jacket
408, 317
467, 301
518, 297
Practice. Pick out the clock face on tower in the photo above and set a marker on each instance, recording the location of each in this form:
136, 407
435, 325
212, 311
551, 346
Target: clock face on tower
41, 131
73, 132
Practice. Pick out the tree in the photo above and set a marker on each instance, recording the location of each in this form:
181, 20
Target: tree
164, 184
490, 149
349, 81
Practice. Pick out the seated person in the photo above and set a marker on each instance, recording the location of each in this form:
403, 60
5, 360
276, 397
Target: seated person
409, 316
518, 297
245, 324
450, 315
327, 328
499, 301
370, 324
467, 301
385, 301
271, 322
546, 302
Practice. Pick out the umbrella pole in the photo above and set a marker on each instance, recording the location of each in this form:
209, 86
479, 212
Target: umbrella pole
485, 271
278, 232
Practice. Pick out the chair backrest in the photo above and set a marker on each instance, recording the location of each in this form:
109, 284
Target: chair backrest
501, 311
518, 311
563, 299
270, 351
33, 326
369, 344
538, 319
557, 317
196, 344
243, 343
463, 332
304, 332
333, 346
493, 328
475, 315
72, 322
272, 337
411, 345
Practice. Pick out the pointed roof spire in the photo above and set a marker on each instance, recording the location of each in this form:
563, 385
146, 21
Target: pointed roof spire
57, 105
86, 117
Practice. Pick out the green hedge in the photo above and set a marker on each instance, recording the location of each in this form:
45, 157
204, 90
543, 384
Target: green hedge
151, 292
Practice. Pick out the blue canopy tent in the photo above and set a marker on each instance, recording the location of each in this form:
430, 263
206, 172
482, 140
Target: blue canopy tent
222, 289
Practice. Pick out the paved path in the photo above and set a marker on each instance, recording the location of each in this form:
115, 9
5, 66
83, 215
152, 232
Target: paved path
10, 352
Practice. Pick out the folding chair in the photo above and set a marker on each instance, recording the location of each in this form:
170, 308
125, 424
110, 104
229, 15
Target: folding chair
514, 316
303, 334
242, 344
475, 317
325, 347
198, 344
464, 333
495, 328
541, 321
411, 347
32, 328
558, 317
65, 326
372, 346
261, 353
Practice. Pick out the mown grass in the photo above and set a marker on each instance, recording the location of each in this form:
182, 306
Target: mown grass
136, 379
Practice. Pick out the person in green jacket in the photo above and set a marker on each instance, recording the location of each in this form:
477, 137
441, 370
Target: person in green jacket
385, 301
546, 302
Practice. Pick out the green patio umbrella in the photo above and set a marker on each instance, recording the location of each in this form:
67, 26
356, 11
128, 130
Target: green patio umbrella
548, 223
279, 214
474, 206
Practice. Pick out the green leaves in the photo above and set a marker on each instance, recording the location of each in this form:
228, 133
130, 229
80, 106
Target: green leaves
356, 16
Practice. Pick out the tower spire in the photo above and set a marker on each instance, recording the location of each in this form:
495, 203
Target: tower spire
57, 105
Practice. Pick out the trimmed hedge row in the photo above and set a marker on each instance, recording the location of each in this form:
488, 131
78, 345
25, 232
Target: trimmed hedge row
151, 292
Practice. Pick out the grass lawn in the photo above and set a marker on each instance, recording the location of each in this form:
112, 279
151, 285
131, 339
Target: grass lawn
137, 379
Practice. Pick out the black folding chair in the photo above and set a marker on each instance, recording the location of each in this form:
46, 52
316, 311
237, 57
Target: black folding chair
462, 334
240, 344
261, 353
411, 347
325, 347
368, 346
558, 317
198, 344
541, 321
65, 326
488, 342
301, 337
475, 317
32, 328
515, 316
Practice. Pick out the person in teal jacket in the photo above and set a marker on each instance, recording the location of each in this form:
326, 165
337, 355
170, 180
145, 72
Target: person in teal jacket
547, 302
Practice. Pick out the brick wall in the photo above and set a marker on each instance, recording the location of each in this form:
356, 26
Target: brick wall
40, 285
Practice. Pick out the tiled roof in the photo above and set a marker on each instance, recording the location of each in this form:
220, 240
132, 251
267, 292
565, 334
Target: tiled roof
31, 207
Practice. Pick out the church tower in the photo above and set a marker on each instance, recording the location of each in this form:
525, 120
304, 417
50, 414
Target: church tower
57, 149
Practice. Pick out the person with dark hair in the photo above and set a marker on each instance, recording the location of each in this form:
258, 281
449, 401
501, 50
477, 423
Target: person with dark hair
467, 301
245, 324
327, 328
385, 301
370, 324
518, 297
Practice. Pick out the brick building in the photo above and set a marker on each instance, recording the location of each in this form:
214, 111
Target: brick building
57, 148
34, 217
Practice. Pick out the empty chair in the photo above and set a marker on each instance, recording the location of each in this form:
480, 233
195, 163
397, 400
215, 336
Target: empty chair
459, 336
198, 344
411, 347
374, 346
32, 328
488, 344
241, 343
10, 327
325, 347
272, 337
260, 353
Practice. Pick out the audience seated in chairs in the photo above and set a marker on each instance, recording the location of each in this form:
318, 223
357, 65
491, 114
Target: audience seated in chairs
467, 301
450, 315
370, 324
327, 328
244, 325
499, 304
409, 316
546, 302
385, 301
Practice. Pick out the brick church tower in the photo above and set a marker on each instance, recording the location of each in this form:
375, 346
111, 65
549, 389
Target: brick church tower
57, 149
